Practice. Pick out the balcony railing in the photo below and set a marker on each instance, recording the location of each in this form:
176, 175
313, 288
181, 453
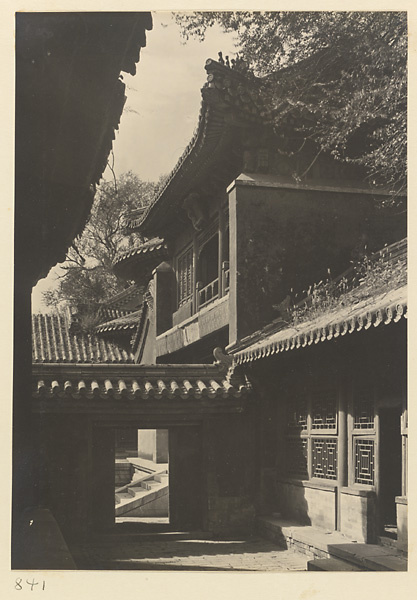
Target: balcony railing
208, 293
226, 278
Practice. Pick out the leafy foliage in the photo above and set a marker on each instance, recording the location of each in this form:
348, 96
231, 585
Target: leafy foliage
345, 73
88, 277
366, 279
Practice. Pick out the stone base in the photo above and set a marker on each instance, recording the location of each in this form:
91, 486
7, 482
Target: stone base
402, 523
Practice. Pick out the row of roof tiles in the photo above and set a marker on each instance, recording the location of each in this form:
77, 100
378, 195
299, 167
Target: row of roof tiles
379, 297
53, 342
140, 382
135, 390
321, 331
153, 246
123, 323
126, 300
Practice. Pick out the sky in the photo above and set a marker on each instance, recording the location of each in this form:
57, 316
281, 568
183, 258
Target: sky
161, 110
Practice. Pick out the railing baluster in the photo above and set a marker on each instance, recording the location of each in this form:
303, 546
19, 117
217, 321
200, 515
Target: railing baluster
208, 293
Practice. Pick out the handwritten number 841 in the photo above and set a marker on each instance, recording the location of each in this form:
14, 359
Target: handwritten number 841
19, 584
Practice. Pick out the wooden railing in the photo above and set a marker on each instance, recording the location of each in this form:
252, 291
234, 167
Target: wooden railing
226, 277
208, 293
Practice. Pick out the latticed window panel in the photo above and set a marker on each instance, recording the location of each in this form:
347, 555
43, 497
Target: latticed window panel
324, 408
364, 461
324, 458
363, 411
297, 458
185, 276
297, 414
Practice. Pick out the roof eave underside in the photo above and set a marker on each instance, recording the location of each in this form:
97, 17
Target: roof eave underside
69, 100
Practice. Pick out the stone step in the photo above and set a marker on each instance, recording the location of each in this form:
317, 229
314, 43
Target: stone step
331, 564
137, 491
151, 484
124, 496
162, 478
370, 556
142, 497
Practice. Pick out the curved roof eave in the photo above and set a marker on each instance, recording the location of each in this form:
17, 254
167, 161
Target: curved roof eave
217, 129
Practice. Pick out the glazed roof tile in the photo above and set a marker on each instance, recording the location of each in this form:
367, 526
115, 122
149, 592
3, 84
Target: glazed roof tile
375, 298
122, 323
53, 342
139, 262
135, 383
128, 299
149, 247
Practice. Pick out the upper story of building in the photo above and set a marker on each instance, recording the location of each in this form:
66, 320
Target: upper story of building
251, 215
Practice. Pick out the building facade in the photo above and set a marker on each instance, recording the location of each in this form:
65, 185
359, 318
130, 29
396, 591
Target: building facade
253, 258
269, 258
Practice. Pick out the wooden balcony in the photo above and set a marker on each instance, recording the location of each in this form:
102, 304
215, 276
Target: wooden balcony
207, 294
211, 317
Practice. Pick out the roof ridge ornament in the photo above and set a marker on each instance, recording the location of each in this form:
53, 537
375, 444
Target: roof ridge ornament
222, 359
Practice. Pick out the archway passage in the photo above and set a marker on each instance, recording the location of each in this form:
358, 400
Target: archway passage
140, 493
141, 476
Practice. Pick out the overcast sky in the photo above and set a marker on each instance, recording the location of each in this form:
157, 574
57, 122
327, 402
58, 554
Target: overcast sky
161, 111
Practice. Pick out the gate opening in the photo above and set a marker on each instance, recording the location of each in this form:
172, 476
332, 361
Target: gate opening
141, 476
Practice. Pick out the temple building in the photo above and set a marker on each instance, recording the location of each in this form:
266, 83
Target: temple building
250, 257
264, 331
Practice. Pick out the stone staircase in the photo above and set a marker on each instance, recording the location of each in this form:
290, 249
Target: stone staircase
144, 496
359, 557
331, 551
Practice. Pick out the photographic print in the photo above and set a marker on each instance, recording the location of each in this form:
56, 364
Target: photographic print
210, 291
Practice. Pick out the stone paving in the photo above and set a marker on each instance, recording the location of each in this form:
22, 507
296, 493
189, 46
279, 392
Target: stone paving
132, 553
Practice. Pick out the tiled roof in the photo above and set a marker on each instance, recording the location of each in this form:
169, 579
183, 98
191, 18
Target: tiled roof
143, 258
124, 323
52, 342
151, 246
225, 91
135, 383
378, 297
127, 300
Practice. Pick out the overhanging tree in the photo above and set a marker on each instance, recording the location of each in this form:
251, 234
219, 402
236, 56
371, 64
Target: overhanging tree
344, 73
87, 277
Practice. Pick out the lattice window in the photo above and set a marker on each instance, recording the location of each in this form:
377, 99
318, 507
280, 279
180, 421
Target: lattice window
297, 414
364, 461
324, 456
185, 277
324, 407
363, 411
297, 458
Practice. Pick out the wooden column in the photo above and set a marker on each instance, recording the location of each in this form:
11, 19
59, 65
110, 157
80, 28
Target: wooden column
342, 452
221, 250
164, 284
195, 272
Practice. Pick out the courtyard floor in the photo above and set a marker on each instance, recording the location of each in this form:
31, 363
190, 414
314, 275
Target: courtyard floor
169, 552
